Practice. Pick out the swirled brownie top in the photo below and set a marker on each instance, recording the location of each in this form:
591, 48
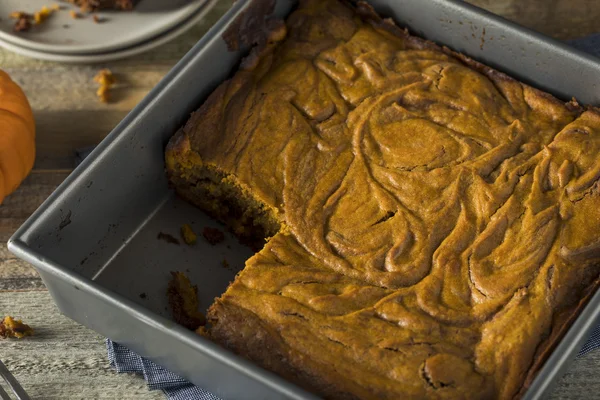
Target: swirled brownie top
440, 220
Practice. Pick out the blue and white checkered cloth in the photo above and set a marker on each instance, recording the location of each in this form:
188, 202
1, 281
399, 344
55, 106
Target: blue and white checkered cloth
177, 388
590, 44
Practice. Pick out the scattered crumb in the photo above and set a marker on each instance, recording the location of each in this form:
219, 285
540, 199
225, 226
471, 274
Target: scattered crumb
183, 300
103, 94
106, 80
188, 234
22, 25
65, 26
93, 5
167, 238
25, 20
124, 4
213, 235
42, 15
84, 5
105, 77
86, 8
143, 295
11, 328
225, 264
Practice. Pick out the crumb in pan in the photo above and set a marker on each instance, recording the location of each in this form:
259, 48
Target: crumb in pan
213, 235
183, 301
188, 234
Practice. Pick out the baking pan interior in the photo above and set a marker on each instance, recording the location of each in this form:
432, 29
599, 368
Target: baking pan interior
104, 223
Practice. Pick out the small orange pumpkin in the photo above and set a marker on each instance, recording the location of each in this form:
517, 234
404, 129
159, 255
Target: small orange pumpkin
17, 136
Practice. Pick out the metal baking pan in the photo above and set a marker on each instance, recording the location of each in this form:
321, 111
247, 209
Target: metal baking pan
94, 241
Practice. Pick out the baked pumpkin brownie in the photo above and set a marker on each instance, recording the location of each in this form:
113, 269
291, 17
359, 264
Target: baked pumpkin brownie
433, 225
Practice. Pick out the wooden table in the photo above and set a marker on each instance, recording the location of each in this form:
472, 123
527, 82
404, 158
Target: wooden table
67, 361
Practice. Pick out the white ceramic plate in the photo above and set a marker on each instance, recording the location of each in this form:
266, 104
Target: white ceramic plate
60, 33
113, 55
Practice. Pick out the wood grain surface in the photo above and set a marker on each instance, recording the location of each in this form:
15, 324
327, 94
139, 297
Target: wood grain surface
65, 360
562, 19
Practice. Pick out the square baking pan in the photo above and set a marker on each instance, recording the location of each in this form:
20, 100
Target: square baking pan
94, 240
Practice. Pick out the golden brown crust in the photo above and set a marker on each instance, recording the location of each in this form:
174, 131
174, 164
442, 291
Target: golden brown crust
442, 219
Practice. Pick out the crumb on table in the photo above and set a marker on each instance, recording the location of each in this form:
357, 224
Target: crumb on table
213, 235
106, 79
12, 328
103, 94
188, 234
74, 14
